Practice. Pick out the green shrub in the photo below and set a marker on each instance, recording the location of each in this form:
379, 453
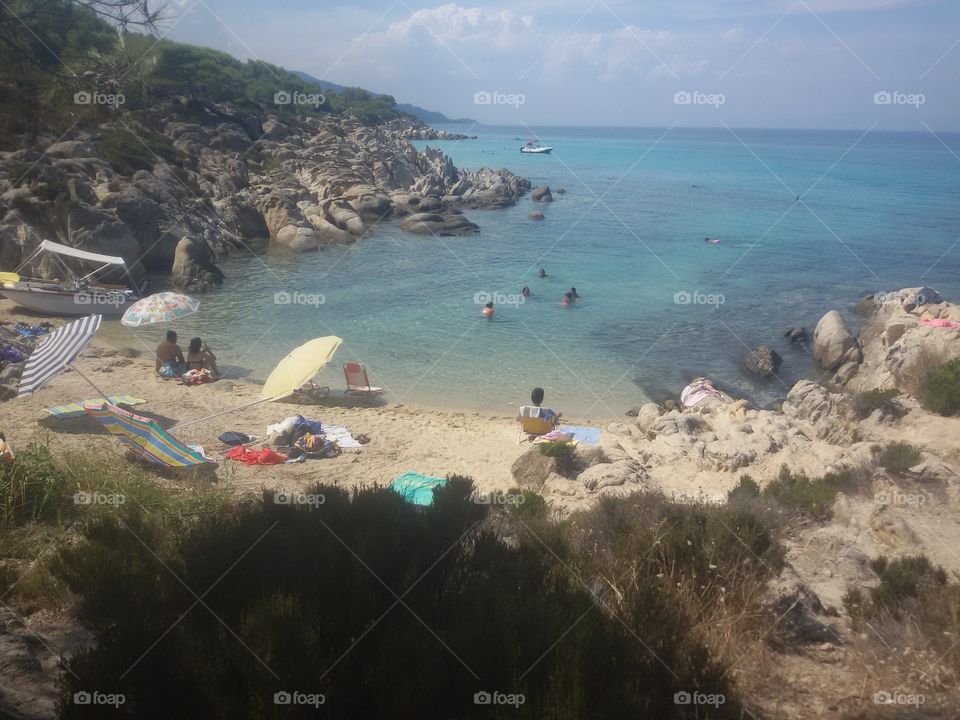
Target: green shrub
32, 488
128, 152
898, 457
813, 497
869, 401
911, 578
392, 610
747, 488
563, 453
940, 389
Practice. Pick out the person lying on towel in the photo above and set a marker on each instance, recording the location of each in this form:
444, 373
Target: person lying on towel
170, 362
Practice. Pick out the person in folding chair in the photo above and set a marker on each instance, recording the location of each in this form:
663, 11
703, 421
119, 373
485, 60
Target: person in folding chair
536, 420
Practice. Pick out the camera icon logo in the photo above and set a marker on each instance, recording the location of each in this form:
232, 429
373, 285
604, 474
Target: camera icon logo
482, 98
682, 298
282, 497
82, 98
482, 698
82, 698
682, 98
882, 98
682, 698
282, 298
82, 498
282, 698
282, 98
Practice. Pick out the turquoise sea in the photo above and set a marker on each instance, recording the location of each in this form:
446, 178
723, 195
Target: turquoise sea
807, 221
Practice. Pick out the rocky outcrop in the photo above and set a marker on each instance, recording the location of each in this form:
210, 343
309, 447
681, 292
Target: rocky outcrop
193, 266
832, 415
905, 333
763, 361
300, 182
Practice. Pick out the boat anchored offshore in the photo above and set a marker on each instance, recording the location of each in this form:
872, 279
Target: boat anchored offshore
534, 147
75, 295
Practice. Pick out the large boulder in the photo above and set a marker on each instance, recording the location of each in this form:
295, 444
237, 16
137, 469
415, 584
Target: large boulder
193, 265
441, 225
612, 474
763, 361
541, 194
832, 415
833, 343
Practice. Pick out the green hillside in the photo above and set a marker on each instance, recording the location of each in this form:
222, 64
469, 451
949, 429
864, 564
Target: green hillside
87, 62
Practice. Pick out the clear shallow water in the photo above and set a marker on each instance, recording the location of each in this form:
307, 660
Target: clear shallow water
876, 212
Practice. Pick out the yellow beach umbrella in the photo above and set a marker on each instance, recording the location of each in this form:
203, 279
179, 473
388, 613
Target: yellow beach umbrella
299, 366
290, 373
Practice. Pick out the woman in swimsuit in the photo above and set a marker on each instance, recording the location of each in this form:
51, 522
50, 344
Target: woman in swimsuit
199, 357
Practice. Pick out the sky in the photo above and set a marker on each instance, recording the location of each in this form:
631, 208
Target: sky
832, 64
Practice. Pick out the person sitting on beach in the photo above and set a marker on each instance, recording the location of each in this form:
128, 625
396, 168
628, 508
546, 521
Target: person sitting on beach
573, 293
170, 362
199, 357
526, 292
542, 273
536, 398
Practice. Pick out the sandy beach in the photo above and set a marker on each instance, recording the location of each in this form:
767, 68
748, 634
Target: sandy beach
402, 436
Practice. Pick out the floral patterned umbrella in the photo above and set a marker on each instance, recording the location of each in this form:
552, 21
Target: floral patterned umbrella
158, 308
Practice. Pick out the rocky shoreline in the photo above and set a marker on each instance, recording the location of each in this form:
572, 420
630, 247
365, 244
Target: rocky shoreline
182, 186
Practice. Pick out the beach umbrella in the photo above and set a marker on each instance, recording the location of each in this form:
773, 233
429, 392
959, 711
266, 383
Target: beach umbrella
299, 366
159, 308
144, 436
290, 373
56, 352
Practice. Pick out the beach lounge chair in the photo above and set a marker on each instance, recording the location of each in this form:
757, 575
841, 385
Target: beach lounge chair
357, 381
535, 421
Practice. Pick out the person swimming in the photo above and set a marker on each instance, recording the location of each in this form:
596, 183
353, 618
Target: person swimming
568, 299
526, 292
573, 293
487, 310
542, 273
711, 240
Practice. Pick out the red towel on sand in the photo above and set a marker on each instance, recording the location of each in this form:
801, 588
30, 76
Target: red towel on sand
266, 456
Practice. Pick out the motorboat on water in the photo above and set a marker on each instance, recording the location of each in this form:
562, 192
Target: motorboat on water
534, 147
75, 295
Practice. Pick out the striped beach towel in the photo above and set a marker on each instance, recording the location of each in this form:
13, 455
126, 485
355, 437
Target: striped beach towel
76, 409
144, 437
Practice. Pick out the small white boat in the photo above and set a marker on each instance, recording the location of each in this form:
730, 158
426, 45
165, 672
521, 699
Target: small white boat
534, 147
76, 296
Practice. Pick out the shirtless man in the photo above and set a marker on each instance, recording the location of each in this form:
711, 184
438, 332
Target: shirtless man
170, 361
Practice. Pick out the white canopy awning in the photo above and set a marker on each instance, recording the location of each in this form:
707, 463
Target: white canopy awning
59, 249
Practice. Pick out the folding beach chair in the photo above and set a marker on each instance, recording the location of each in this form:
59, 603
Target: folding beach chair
357, 381
535, 421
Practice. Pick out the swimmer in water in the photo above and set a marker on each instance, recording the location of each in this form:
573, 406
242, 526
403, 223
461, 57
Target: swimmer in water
573, 294
568, 299
526, 292
542, 273
487, 310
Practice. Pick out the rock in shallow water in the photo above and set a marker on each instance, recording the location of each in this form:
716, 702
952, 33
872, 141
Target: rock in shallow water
763, 361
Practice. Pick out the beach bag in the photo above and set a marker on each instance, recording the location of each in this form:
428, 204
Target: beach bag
232, 437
